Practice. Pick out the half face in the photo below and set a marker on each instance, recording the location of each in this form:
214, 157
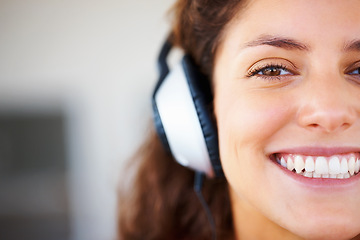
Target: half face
287, 103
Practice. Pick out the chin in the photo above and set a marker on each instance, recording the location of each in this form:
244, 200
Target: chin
325, 230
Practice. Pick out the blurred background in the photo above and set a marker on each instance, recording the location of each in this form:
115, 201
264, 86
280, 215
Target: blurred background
75, 81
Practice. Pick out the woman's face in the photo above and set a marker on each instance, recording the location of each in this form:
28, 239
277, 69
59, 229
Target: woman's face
287, 91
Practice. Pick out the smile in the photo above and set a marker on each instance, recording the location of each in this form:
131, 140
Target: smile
341, 166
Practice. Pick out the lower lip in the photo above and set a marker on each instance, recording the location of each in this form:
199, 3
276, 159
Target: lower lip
325, 183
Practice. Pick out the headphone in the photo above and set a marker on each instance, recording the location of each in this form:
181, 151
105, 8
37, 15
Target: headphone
182, 102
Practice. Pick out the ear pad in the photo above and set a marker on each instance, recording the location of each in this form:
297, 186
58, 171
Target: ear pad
182, 103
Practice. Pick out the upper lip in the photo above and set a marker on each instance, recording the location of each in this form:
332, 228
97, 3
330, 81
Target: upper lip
317, 151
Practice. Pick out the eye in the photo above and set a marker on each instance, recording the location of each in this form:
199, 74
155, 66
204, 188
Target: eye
273, 71
269, 71
355, 71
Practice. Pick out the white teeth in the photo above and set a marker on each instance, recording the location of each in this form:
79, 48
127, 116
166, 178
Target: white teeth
340, 176
334, 165
321, 166
299, 164
290, 164
344, 166
357, 166
316, 175
351, 165
309, 164
283, 162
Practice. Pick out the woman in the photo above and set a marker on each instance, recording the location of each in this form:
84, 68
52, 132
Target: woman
285, 77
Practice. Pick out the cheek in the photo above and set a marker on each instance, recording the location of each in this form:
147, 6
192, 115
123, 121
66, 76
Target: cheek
246, 124
249, 122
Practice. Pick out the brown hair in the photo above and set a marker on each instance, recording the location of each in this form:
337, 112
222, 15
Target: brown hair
199, 25
161, 202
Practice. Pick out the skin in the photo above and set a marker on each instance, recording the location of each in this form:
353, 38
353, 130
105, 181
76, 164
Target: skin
312, 103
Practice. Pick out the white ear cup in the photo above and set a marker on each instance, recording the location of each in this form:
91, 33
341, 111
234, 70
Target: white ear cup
181, 123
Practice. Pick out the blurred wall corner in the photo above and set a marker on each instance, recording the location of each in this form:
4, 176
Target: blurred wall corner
34, 197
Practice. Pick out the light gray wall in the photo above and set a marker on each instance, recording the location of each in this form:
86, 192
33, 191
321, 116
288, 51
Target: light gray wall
94, 60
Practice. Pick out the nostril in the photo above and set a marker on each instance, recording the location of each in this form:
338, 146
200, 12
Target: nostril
327, 113
329, 127
313, 125
327, 121
345, 126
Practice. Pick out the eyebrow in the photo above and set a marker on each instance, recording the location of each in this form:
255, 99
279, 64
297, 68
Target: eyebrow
280, 42
352, 45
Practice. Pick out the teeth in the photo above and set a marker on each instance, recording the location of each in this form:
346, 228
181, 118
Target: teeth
290, 164
321, 166
309, 164
357, 166
344, 166
308, 174
283, 162
335, 167
316, 175
351, 166
299, 164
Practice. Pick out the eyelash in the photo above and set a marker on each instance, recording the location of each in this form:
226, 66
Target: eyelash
354, 74
255, 71
355, 69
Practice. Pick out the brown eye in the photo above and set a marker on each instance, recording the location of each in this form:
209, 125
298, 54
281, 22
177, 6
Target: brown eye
271, 71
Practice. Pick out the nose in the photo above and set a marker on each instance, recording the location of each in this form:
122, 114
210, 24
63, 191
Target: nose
328, 107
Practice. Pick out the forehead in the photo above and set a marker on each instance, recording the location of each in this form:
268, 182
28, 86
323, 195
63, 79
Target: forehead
306, 20
297, 8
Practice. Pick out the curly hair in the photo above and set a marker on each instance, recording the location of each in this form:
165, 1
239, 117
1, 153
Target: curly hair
161, 203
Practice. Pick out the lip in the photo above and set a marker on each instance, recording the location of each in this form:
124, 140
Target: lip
318, 151
318, 183
321, 183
